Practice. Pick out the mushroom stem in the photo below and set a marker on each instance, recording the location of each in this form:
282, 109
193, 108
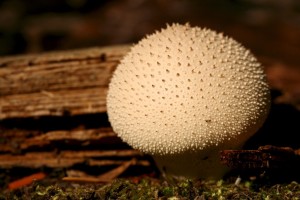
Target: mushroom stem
202, 164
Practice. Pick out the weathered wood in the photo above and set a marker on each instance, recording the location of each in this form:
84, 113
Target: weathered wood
54, 103
106, 177
83, 136
93, 162
265, 157
57, 83
58, 70
66, 158
14, 141
20, 148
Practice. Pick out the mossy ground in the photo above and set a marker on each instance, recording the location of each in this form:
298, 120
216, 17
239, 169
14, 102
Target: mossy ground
150, 188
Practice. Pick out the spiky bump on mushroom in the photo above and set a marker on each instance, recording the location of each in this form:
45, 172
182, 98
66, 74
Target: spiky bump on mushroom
183, 94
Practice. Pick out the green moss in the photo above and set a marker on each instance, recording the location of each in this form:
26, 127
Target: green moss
158, 189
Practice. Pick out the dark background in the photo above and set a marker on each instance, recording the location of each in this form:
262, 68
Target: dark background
269, 28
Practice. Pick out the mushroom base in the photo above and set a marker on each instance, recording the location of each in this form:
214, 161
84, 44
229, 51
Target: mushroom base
204, 164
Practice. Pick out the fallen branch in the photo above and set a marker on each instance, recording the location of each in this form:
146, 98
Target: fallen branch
106, 177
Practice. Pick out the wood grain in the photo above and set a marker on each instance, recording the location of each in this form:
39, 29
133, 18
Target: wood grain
67, 158
57, 83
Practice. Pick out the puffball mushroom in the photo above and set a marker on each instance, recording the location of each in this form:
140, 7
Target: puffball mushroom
183, 94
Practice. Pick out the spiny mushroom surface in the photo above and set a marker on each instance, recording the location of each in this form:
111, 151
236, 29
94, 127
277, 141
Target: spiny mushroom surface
186, 91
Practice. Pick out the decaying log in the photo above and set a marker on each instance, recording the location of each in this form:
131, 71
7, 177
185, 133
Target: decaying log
57, 83
265, 157
21, 140
69, 158
58, 70
54, 103
85, 135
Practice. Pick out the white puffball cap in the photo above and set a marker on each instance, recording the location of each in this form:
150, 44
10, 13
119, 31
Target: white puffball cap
184, 89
